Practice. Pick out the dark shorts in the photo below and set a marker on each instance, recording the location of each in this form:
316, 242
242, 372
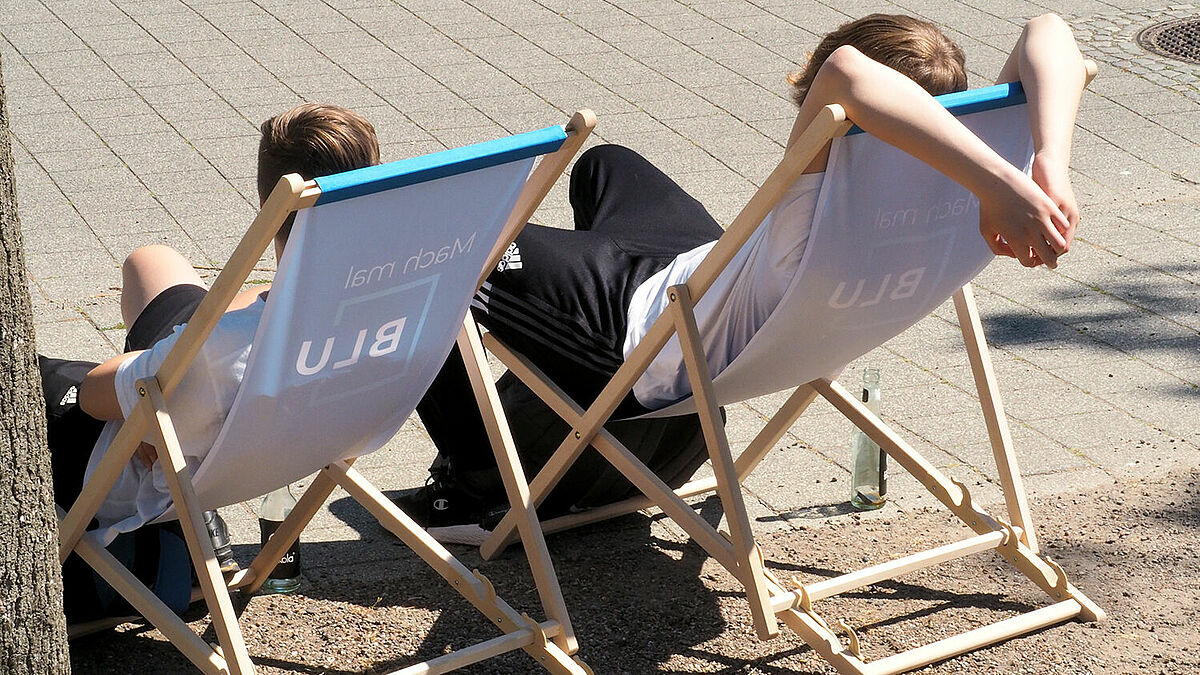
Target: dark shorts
170, 308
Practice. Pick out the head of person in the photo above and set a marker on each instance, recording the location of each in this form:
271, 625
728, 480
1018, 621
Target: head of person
312, 139
912, 46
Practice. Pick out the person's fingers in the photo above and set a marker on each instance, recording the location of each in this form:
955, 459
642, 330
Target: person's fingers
1054, 231
1045, 253
1072, 214
997, 245
1025, 255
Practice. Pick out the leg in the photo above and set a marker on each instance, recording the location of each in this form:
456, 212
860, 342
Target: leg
454, 424
148, 271
565, 303
161, 291
465, 461
616, 191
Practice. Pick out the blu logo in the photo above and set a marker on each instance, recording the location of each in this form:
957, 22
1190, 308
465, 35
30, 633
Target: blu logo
904, 286
387, 340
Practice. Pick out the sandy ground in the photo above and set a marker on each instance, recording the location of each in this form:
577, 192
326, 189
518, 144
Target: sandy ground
642, 603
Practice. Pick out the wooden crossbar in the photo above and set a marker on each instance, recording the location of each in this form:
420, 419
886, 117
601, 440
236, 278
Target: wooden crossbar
482, 651
893, 568
974, 639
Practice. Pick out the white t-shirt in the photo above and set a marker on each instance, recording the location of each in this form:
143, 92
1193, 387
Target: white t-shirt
199, 407
738, 302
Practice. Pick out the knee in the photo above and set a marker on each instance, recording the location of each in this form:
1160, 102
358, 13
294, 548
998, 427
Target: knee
601, 155
150, 257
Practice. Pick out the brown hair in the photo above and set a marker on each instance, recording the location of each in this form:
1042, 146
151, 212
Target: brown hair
916, 48
313, 140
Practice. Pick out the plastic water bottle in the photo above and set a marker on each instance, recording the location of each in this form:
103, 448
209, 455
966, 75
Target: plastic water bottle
868, 479
285, 578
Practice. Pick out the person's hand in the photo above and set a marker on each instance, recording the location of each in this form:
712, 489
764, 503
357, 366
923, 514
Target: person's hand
146, 454
1053, 176
1018, 219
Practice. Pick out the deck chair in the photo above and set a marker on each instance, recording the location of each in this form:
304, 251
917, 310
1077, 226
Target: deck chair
372, 290
915, 243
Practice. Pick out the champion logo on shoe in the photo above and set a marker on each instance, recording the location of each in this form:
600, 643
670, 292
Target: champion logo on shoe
70, 397
511, 260
441, 504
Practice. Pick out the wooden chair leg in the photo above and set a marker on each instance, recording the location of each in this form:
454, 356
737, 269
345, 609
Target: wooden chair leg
474, 587
120, 452
517, 490
657, 492
191, 521
993, 415
774, 429
729, 487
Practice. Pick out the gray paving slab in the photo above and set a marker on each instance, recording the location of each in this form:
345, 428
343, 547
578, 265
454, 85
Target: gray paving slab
135, 122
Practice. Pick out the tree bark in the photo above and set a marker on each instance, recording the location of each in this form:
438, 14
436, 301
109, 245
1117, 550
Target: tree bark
33, 632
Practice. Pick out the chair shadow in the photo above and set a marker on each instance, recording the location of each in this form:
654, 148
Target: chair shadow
639, 603
817, 511
1151, 300
626, 622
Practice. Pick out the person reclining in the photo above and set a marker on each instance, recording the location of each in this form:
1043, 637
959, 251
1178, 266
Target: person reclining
577, 302
86, 402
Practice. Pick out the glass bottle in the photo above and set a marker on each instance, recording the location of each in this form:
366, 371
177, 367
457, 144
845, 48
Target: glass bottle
276, 506
868, 477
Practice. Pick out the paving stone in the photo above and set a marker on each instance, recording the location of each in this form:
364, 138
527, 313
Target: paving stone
73, 275
75, 339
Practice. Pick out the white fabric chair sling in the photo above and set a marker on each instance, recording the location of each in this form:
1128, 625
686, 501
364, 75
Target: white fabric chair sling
372, 290
891, 240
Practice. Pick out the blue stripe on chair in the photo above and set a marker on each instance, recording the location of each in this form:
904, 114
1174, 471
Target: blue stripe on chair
976, 100
359, 182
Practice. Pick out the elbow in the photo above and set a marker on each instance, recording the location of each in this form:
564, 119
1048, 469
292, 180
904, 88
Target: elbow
844, 63
88, 398
1049, 26
841, 70
1047, 20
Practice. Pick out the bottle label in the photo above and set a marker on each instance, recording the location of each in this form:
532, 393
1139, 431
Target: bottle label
289, 564
882, 473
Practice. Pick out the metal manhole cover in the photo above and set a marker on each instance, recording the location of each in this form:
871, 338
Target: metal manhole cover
1176, 39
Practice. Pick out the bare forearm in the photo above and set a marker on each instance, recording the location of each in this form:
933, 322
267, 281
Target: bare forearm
1016, 217
895, 109
98, 391
1049, 66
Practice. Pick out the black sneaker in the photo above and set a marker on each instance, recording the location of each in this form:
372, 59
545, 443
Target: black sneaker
218, 532
450, 514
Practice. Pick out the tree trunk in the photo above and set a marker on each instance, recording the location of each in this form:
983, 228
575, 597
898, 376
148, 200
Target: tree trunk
33, 632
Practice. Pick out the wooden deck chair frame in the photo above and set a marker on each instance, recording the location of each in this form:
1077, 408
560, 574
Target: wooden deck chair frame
770, 598
551, 642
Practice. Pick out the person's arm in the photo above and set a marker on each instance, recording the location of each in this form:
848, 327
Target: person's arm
1050, 68
1012, 208
248, 297
98, 391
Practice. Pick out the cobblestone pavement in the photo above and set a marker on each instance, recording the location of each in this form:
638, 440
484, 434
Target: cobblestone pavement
134, 121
